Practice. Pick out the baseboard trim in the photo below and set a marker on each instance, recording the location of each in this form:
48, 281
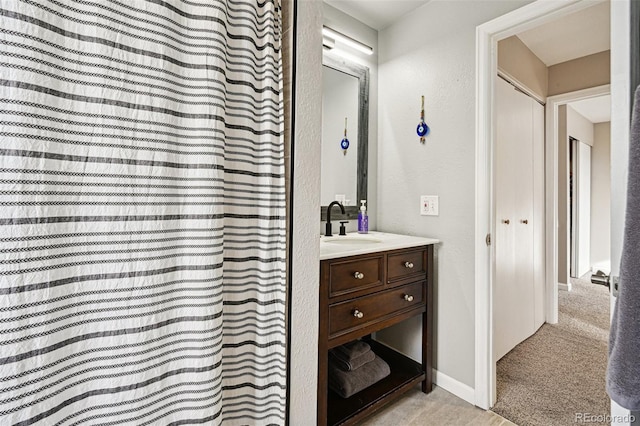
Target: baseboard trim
564, 287
455, 387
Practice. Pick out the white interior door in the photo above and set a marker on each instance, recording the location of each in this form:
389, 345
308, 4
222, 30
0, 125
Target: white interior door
504, 292
514, 290
583, 198
619, 161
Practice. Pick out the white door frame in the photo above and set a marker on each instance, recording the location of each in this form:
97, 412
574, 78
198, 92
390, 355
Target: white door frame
552, 143
487, 36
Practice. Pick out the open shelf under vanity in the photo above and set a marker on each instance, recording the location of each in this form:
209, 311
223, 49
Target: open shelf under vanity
405, 374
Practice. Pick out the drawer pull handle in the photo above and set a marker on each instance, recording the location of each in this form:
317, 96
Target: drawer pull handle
408, 298
358, 314
408, 265
358, 275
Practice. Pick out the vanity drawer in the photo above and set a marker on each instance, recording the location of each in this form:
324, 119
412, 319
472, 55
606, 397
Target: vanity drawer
355, 275
344, 316
406, 264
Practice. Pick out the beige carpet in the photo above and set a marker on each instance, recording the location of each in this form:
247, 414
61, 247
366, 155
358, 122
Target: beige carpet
560, 370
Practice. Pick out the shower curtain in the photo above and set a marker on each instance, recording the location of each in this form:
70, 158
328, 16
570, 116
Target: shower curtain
142, 212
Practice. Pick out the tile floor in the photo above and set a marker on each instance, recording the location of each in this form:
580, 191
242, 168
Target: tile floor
439, 408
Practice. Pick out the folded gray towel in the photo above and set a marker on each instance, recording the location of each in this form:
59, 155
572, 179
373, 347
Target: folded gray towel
623, 372
347, 383
353, 349
344, 363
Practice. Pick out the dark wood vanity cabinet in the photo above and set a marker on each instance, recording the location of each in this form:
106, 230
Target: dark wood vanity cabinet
360, 295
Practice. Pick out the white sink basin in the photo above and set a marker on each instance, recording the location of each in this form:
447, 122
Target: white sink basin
352, 239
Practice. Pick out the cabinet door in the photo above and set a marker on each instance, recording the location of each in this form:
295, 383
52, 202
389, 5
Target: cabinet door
513, 308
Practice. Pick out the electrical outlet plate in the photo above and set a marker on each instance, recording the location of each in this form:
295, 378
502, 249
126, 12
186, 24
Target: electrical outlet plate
429, 205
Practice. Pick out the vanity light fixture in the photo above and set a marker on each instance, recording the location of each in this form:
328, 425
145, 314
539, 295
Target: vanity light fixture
334, 36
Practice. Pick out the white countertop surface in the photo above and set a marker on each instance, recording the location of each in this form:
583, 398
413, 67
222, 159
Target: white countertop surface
354, 244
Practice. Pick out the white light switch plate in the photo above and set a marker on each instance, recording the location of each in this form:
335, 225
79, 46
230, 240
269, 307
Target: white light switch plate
429, 205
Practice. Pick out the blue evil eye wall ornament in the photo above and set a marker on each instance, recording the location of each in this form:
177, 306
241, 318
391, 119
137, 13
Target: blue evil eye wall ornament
422, 130
344, 143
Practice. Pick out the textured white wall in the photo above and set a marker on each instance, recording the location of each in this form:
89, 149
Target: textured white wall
306, 202
306, 207
431, 52
601, 198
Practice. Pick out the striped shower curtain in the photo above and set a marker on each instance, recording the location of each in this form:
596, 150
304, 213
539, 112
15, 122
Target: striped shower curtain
142, 212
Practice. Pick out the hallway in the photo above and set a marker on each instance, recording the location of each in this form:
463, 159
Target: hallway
559, 372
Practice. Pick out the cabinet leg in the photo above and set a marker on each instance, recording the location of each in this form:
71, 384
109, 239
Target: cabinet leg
427, 386
322, 385
427, 326
426, 353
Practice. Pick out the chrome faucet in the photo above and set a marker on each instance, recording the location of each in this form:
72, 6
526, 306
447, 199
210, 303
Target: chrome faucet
327, 232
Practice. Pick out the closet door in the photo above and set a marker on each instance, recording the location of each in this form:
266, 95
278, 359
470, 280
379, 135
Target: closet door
583, 228
513, 281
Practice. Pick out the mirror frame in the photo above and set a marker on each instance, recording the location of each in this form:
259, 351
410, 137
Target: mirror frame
360, 72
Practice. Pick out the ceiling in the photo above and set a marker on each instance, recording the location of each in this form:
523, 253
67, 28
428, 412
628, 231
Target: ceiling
580, 34
378, 14
596, 110
583, 33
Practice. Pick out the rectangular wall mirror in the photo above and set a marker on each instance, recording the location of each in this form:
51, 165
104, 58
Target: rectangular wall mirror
345, 94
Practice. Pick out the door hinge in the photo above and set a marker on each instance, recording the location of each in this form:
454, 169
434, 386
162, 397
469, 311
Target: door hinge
488, 239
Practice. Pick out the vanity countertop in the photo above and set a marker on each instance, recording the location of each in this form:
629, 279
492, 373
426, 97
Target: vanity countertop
354, 244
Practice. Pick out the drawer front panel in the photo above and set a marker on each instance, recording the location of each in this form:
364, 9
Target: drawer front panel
350, 276
406, 264
344, 316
